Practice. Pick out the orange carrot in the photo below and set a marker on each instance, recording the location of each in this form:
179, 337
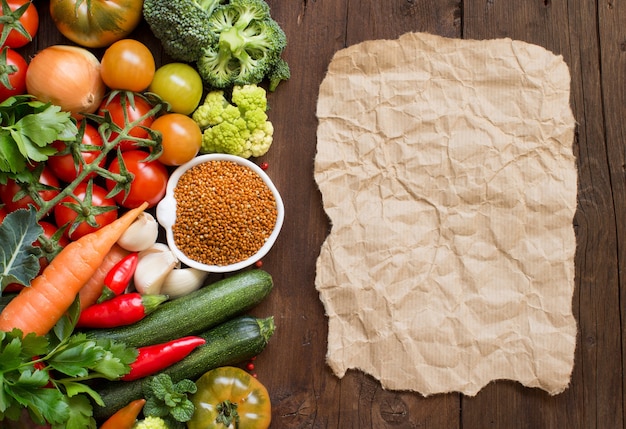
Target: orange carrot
92, 290
37, 308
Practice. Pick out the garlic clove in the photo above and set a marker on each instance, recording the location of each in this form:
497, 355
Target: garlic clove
153, 266
181, 281
141, 234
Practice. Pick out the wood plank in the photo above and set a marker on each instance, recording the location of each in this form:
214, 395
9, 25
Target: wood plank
569, 29
307, 394
591, 36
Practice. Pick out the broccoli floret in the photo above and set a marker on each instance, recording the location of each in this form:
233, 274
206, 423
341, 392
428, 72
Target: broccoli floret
151, 423
237, 127
278, 73
182, 26
249, 44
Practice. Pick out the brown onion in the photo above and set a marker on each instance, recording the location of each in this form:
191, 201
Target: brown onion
68, 76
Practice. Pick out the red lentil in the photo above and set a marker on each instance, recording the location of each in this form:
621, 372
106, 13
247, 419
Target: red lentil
224, 213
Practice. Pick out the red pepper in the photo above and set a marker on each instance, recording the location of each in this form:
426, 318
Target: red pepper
126, 417
152, 359
119, 311
119, 277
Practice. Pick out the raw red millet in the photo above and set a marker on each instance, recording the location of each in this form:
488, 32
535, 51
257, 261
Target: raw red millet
224, 213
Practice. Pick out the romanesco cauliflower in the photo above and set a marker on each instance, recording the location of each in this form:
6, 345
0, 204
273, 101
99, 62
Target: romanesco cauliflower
237, 127
151, 423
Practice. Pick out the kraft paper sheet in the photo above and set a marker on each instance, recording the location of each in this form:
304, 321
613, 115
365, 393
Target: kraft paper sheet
447, 172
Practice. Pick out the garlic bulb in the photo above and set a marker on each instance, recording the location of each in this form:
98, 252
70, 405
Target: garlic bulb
153, 266
141, 234
181, 281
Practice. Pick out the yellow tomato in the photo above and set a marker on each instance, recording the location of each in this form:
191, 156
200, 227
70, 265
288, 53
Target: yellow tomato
96, 23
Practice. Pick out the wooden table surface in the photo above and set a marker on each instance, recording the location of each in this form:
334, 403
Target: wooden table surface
591, 37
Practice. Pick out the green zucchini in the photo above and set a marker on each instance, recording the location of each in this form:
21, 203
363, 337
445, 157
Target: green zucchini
195, 312
230, 343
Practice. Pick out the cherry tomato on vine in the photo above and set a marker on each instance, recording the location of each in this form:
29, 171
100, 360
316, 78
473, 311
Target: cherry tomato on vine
134, 110
181, 138
21, 31
99, 210
63, 165
180, 85
149, 182
13, 68
12, 189
127, 64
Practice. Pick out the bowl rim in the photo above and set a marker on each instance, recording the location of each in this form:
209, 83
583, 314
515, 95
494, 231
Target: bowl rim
166, 213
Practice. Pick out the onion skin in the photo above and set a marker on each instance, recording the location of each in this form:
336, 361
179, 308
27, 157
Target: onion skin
67, 76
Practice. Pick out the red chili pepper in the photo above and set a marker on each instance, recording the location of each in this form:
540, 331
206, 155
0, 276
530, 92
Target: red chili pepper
154, 358
119, 277
40, 366
126, 417
119, 311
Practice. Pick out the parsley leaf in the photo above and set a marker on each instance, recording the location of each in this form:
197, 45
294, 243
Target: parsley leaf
64, 400
28, 128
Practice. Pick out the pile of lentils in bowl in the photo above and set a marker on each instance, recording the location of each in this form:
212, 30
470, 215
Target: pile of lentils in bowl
224, 213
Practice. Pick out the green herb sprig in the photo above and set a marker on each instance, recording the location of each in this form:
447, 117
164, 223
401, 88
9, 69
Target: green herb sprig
46, 374
169, 400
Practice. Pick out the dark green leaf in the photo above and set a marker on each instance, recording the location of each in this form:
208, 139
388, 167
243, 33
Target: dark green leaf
65, 326
19, 259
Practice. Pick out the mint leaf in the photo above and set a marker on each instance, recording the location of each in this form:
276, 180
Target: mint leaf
19, 259
167, 399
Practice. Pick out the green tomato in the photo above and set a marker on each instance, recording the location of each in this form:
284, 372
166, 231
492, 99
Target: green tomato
180, 85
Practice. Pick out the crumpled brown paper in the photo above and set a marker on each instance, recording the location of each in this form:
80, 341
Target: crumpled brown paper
447, 171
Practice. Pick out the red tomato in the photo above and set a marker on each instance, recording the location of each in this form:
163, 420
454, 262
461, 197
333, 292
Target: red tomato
29, 20
49, 230
149, 183
116, 107
94, 211
63, 165
9, 191
12, 82
127, 64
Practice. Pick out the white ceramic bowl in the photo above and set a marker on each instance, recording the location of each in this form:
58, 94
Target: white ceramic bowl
166, 213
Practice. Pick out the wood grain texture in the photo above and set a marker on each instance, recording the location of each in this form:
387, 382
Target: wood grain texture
591, 36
